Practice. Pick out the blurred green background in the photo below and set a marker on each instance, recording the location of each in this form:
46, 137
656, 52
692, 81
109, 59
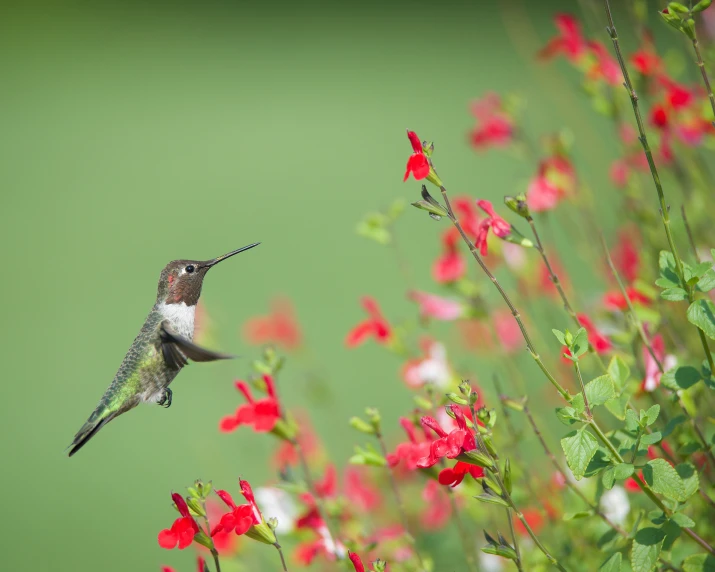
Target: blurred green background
135, 133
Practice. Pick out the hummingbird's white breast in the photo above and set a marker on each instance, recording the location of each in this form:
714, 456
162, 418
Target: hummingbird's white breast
181, 317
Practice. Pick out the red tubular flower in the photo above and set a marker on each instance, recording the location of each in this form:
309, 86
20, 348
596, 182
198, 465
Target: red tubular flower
494, 127
201, 564
599, 342
438, 507
500, 227
449, 445
411, 451
455, 475
417, 164
450, 266
646, 62
262, 415
358, 489
375, 326
247, 493
616, 300
659, 116
278, 327
357, 563
328, 486
238, 520
570, 42
436, 307
183, 530
555, 179
626, 255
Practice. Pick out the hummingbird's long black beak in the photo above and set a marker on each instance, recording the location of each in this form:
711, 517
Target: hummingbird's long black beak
215, 261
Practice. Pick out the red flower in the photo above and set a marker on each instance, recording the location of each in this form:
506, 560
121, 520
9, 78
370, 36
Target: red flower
454, 476
240, 518
534, 519
411, 451
201, 564
599, 342
328, 486
631, 485
183, 530
449, 445
375, 326
646, 61
224, 541
652, 371
659, 116
262, 414
450, 266
357, 563
438, 507
605, 66
436, 307
570, 41
494, 126
417, 164
278, 327
555, 179
616, 300
507, 331
500, 227
358, 490
626, 255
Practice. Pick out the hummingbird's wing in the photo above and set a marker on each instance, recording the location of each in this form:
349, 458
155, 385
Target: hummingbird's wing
177, 350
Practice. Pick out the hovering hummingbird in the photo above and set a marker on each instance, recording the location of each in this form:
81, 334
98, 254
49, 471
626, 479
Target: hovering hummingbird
164, 345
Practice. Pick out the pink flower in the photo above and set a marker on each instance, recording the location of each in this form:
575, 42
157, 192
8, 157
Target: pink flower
500, 227
449, 445
570, 42
438, 509
494, 126
450, 266
555, 179
437, 307
375, 326
652, 371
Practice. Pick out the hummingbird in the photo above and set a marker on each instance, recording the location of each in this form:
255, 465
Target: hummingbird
164, 346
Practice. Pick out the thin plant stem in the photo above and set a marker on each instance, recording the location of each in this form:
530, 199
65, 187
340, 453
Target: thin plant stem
464, 537
280, 553
399, 502
689, 232
593, 506
311, 487
589, 415
514, 312
645, 488
217, 564
514, 540
701, 65
213, 550
649, 346
557, 283
664, 210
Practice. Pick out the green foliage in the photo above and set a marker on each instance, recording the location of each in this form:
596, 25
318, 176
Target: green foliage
682, 377
579, 447
664, 479
613, 564
619, 372
647, 544
699, 563
689, 476
598, 392
702, 314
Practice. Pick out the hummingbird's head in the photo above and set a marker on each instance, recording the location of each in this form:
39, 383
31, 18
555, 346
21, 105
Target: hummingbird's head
181, 280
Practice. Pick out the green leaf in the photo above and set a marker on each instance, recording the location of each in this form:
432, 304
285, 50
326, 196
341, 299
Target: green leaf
707, 281
623, 471
651, 438
701, 268
699, 563
613, 564
681, 377
579, 447
600, 390
652, 414
576, 515
567, 415
664, 479
689, 448
580, 343
672, 424
618, 405
691, 481
632, 423
646, 548
492, 499
674, 294
619, 371
608, 478
682, 520
702, 314
560, 336
668, 271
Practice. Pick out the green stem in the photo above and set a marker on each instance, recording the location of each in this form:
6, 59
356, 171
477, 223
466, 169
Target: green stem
559, 288
689, 233
701, 65
645, 488
589, 415
514, 540
280, 553
514, 312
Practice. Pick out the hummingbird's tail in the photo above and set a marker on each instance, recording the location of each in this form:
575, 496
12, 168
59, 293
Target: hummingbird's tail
96, 421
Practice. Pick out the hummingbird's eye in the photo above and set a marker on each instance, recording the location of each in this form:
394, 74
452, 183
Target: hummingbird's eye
189, 268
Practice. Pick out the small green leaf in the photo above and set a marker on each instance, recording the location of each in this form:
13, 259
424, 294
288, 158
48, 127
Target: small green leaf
699, 563
707, 281
567, 415
560, 336
702, 314
674, 294
600, 390
664, 479
652, 414
492, 499
576, 515
619, 371
668, 271
672, 424
647, 543
632, 423
682, 520
618, 405
681, 377
579, 447
623, 471
608, 478
651, 438
701, 269
613, 564
691, 481
580, 343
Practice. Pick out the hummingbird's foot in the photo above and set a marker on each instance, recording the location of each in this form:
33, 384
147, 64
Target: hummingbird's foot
165, 400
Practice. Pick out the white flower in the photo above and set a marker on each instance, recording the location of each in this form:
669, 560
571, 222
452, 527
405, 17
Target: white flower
615, 505
434, 368
277, 503
490, 562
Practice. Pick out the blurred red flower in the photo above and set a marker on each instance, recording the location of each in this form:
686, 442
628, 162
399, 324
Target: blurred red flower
375, 326
438, 510
278, 327
357, 563
500, 226
495, 128
534, 519
437, 307
262, 415
555, 179
411, 451
450, 265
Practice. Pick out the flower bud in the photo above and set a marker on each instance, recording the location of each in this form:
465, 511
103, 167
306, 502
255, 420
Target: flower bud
423, 402
454, 398
262, 533
362, 426
195, 507
489, 445
428, 148
379, 565
204, 540
465, 388
476, 458
367, 456
507, 475
436, 212
702, 5
518, 205
473, 398
515, 237
272, 522
677, 7
373, 415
